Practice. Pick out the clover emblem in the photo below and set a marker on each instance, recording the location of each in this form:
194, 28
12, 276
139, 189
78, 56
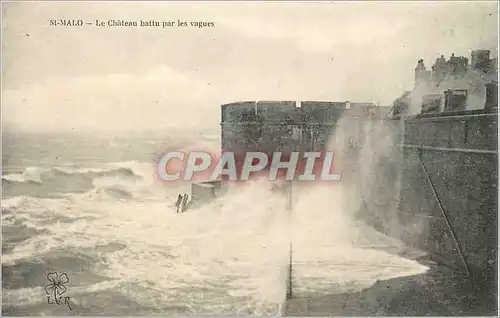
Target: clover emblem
57, 282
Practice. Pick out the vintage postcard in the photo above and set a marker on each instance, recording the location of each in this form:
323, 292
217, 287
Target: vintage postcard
249, 158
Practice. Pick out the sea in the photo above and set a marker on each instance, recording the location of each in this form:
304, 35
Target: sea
91, 206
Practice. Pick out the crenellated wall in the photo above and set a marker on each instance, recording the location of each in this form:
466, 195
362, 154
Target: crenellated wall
269, 126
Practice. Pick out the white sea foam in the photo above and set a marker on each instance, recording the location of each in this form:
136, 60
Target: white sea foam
32, 174
236, 248
13, 202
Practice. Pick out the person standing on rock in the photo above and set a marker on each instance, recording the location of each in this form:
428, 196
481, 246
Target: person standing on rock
184, 202
178, 203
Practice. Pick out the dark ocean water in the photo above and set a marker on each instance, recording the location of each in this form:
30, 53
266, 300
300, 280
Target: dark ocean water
92, 207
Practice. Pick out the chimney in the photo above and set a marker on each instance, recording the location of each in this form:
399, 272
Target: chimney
455, 100
480, 59
431, 103
491, 96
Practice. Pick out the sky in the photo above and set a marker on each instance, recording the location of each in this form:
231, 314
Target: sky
140, 79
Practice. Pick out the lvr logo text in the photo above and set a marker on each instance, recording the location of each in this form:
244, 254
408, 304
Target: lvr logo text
57, 288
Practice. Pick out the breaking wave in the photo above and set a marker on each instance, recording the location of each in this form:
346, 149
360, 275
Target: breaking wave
113, 179
39, 175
